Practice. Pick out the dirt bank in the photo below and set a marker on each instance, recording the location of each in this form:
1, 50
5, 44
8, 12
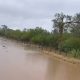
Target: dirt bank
55, 54
61, 57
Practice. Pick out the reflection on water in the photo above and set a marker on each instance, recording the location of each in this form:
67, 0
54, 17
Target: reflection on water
17, 63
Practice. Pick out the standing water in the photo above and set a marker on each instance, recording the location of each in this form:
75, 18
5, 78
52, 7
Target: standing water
18, 63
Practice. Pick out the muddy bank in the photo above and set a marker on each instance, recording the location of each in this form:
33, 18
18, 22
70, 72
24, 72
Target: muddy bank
61, 57
54, 53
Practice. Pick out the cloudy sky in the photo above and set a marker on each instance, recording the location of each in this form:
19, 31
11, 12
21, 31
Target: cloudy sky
32, 13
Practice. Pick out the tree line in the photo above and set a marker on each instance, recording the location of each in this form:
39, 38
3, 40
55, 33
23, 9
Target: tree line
64, 37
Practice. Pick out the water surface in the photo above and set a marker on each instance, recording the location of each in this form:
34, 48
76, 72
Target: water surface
20, 63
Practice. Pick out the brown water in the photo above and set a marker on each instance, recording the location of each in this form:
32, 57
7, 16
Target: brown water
19, 63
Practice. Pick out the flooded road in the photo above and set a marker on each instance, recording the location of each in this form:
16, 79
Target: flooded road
20, 63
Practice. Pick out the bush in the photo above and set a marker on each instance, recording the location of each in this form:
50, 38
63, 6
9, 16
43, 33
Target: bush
75, 53
45, 40
38, 39
70, 44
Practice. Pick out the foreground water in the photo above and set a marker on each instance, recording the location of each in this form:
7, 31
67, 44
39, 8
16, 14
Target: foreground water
20, 63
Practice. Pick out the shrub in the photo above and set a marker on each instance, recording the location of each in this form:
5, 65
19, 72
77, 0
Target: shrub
75, 53
70, 44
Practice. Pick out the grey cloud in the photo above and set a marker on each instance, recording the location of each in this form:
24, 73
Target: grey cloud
29, 9
32, 13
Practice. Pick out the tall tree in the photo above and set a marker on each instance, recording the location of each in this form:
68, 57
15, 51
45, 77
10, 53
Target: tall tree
76, 26
5, 27
61, 24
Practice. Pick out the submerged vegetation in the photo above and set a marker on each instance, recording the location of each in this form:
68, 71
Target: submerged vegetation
65, 37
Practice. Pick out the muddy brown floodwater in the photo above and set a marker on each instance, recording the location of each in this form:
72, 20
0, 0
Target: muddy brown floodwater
20, 63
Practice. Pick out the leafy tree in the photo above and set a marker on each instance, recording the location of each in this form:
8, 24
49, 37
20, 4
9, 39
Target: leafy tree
76, 26
61, 24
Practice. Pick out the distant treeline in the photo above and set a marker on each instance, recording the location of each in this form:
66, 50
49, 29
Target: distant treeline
36, 36
67, 41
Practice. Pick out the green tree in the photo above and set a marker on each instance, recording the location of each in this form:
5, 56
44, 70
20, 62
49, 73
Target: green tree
61, 23
76, 26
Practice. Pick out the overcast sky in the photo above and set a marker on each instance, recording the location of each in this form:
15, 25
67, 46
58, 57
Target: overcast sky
32, 13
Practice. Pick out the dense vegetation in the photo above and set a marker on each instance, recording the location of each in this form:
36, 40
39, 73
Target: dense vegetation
65, 37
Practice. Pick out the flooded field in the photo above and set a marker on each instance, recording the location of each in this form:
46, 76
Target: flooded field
20, 63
